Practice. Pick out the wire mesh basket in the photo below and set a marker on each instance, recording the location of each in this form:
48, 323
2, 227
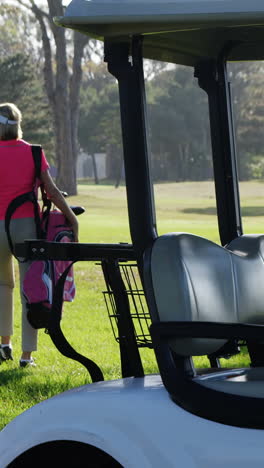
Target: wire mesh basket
137, 305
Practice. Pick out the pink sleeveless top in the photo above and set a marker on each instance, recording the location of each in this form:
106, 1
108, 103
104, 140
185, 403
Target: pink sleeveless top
17, 175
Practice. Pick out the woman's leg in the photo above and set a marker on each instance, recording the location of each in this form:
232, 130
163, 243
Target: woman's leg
29, 334
22, 229
6, 288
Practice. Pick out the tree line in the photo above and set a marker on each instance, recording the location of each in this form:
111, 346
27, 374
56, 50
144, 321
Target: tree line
70, 102
179, 130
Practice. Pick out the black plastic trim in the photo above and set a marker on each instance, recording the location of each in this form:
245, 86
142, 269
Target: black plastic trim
225, 408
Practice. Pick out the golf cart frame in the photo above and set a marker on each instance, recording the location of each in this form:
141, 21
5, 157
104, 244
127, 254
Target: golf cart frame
124, 57
175, 335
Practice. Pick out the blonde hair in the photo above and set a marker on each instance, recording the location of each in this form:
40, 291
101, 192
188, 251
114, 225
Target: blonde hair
11, 112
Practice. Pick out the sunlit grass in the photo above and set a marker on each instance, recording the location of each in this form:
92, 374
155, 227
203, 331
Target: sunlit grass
187, 207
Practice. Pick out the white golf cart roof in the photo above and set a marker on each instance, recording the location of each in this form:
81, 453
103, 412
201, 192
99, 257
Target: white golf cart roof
179, 31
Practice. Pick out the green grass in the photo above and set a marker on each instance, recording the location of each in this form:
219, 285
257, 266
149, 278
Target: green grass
185, 207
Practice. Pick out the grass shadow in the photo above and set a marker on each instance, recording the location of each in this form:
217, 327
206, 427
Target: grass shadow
7, 376
211, 210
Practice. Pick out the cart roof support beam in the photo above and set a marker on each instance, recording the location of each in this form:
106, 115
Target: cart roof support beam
212, 78
125, 63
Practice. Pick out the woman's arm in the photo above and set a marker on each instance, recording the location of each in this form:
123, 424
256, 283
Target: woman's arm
59, 201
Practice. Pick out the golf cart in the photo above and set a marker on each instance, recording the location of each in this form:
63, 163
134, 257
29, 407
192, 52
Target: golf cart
202, 299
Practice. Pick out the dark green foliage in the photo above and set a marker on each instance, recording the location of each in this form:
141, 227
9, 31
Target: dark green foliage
179, 132
15, 26
179, 127
21, 83
248, 81
99, 126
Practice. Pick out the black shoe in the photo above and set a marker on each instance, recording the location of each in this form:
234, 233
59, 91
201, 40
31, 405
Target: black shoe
6, 353
27, 363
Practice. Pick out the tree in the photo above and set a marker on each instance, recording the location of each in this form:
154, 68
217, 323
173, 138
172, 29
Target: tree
247, 84
179, 127
14, 27
100, 127
62, 77
20, 79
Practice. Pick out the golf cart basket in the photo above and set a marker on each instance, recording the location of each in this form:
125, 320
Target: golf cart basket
139, 312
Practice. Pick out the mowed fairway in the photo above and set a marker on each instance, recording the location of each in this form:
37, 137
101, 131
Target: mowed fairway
188, 207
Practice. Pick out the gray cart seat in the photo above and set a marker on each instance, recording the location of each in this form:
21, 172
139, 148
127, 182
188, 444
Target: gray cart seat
193, 281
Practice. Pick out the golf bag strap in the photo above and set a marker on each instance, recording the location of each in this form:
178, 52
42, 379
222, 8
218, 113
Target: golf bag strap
25, 197
36, 153
57, 335
37, 156
13, 205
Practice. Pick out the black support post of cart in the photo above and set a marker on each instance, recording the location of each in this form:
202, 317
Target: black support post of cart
131, 364
212, 78
125, 63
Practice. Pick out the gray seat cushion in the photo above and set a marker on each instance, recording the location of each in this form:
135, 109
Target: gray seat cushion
195, 279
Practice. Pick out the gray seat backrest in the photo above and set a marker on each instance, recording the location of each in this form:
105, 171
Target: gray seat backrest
195, 279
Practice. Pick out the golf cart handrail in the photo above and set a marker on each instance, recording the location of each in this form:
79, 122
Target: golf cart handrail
33, 249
